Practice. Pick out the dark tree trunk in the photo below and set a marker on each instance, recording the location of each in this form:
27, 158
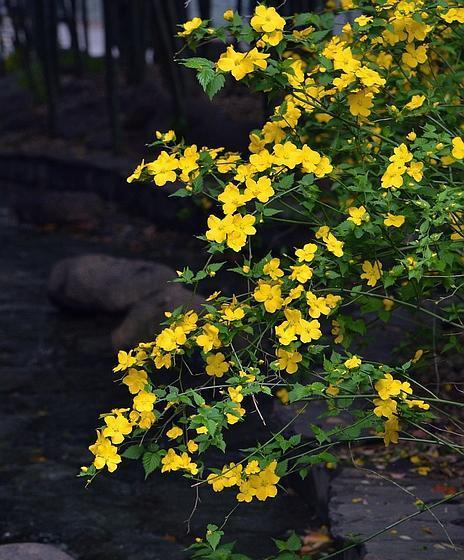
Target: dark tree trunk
44, 32
111, 77
22, 40
205, 9
165, 19
69, 8
85, 26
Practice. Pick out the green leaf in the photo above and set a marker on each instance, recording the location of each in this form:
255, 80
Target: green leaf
213, 536
133, 452
204, 76
197, 63
215, 85
293, 542
150, 462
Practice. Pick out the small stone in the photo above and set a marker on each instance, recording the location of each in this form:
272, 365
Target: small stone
32, 551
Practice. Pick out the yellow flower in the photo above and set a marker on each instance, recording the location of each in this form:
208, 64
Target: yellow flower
125, 361
301, 273
219, 229
288, 360
252, 467
287, 155
394, 221
352, 362
190, 26
144, 401
117, 426
360, 103
231, 199
307, 253
260, 189
217, 364
282, 395
232, 311
385, 408
416, 102
230, 476
234, 416
401, 155
262, 160
240, 64
209, 338
192, 446
454, 14
163, 169
269, 295
393, 176
332, 391
168, 136
324, 167
416, 402
137, 172
414, 56
272, 269
235, 394
372, 272
388, 304
267, 20
334, 245
362, 21
170, 338
390, 435
317, 305
417, 356
415, 170
357, 215
309, 159
260, 486
322, 233
174, 432
458, 148
105, 453
388, 387
240, 228
135, 380
228, 15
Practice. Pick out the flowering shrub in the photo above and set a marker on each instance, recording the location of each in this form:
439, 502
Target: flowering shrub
363, 152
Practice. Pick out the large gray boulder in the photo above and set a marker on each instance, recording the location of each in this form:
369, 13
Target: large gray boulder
92, 283
143, 320
31, 551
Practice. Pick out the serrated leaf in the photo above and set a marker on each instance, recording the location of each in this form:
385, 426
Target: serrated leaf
215, 85
150, 462
204, 76
197, 63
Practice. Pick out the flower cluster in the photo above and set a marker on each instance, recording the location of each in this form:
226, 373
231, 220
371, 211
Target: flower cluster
359, 168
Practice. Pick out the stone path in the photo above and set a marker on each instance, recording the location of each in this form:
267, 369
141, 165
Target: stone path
362, 504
